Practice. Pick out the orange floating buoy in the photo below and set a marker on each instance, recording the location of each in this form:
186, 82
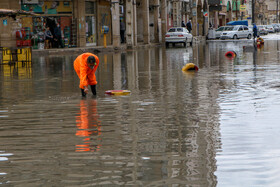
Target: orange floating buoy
260, 39
230, 54
190, 66
117, 92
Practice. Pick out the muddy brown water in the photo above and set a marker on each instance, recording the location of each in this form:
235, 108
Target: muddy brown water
215, 127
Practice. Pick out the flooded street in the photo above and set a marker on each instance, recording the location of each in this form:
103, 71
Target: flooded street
215, 127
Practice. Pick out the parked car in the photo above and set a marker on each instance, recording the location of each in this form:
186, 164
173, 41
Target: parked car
270, 28
262, 29
276, 27
236, 32
178, 35
215, 34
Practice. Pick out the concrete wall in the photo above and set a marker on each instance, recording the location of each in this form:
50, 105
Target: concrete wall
8, 26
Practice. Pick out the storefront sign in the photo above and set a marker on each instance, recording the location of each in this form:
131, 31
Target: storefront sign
5, 22
205, 14
30, 1
242, 8
194, 12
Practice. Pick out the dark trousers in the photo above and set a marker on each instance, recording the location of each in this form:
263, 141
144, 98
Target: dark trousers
58, 42
93, 90
255, 35
122, 36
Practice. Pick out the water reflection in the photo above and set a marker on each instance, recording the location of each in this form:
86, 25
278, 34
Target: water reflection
88, 126
169, 132
18, 71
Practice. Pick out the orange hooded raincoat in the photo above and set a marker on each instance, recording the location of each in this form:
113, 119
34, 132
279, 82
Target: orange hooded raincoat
85, 73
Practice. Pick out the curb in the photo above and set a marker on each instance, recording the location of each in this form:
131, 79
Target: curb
91, 49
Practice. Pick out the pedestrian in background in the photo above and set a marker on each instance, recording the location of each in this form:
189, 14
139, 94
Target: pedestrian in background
255, 30
122, 30
48, 38
58, 36
189, 26
183, 24
85, 66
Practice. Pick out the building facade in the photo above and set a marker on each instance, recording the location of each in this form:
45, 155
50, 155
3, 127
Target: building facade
98, 22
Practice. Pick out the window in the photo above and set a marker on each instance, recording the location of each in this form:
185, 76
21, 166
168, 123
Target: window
90, 7
228, 28
220, 29
180, 29
172, 30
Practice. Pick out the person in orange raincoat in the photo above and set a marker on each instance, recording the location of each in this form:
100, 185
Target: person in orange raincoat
85, 66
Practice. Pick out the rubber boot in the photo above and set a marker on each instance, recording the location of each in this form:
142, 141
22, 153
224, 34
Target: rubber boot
83, 93
93, 89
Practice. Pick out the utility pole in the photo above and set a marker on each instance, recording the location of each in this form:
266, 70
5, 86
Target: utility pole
236, 10
242, 13
253, 11
277, 16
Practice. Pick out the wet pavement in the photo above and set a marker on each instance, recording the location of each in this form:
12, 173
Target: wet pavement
215, 127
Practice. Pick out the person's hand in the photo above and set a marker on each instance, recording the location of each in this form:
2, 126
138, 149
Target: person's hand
86, 89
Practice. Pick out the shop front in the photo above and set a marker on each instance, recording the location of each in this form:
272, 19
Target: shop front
53, 15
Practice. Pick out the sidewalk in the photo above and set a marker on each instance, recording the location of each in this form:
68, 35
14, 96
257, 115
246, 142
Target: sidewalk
101, 49
91, 49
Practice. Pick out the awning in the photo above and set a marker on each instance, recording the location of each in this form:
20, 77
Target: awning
228, 6
222, 14
14, 13
234, 5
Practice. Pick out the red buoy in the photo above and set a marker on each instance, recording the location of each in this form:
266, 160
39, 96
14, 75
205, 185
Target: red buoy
230, 54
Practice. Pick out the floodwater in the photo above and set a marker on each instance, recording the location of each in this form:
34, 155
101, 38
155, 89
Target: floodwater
215, 127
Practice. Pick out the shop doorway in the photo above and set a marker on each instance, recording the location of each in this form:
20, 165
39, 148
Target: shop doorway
50, 22
90, 30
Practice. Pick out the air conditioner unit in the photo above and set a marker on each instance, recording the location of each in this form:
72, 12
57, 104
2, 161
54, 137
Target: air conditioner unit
30, 1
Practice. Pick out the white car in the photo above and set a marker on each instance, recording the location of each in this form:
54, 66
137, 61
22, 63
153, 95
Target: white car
270, 28
262, 29
178, 35
236, 32
215, 34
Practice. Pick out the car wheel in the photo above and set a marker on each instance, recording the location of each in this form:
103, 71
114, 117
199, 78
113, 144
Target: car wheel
166, 44
235, 37
249, 36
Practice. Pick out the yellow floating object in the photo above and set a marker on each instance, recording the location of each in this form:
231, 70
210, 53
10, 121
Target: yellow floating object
190, 66
117, 92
